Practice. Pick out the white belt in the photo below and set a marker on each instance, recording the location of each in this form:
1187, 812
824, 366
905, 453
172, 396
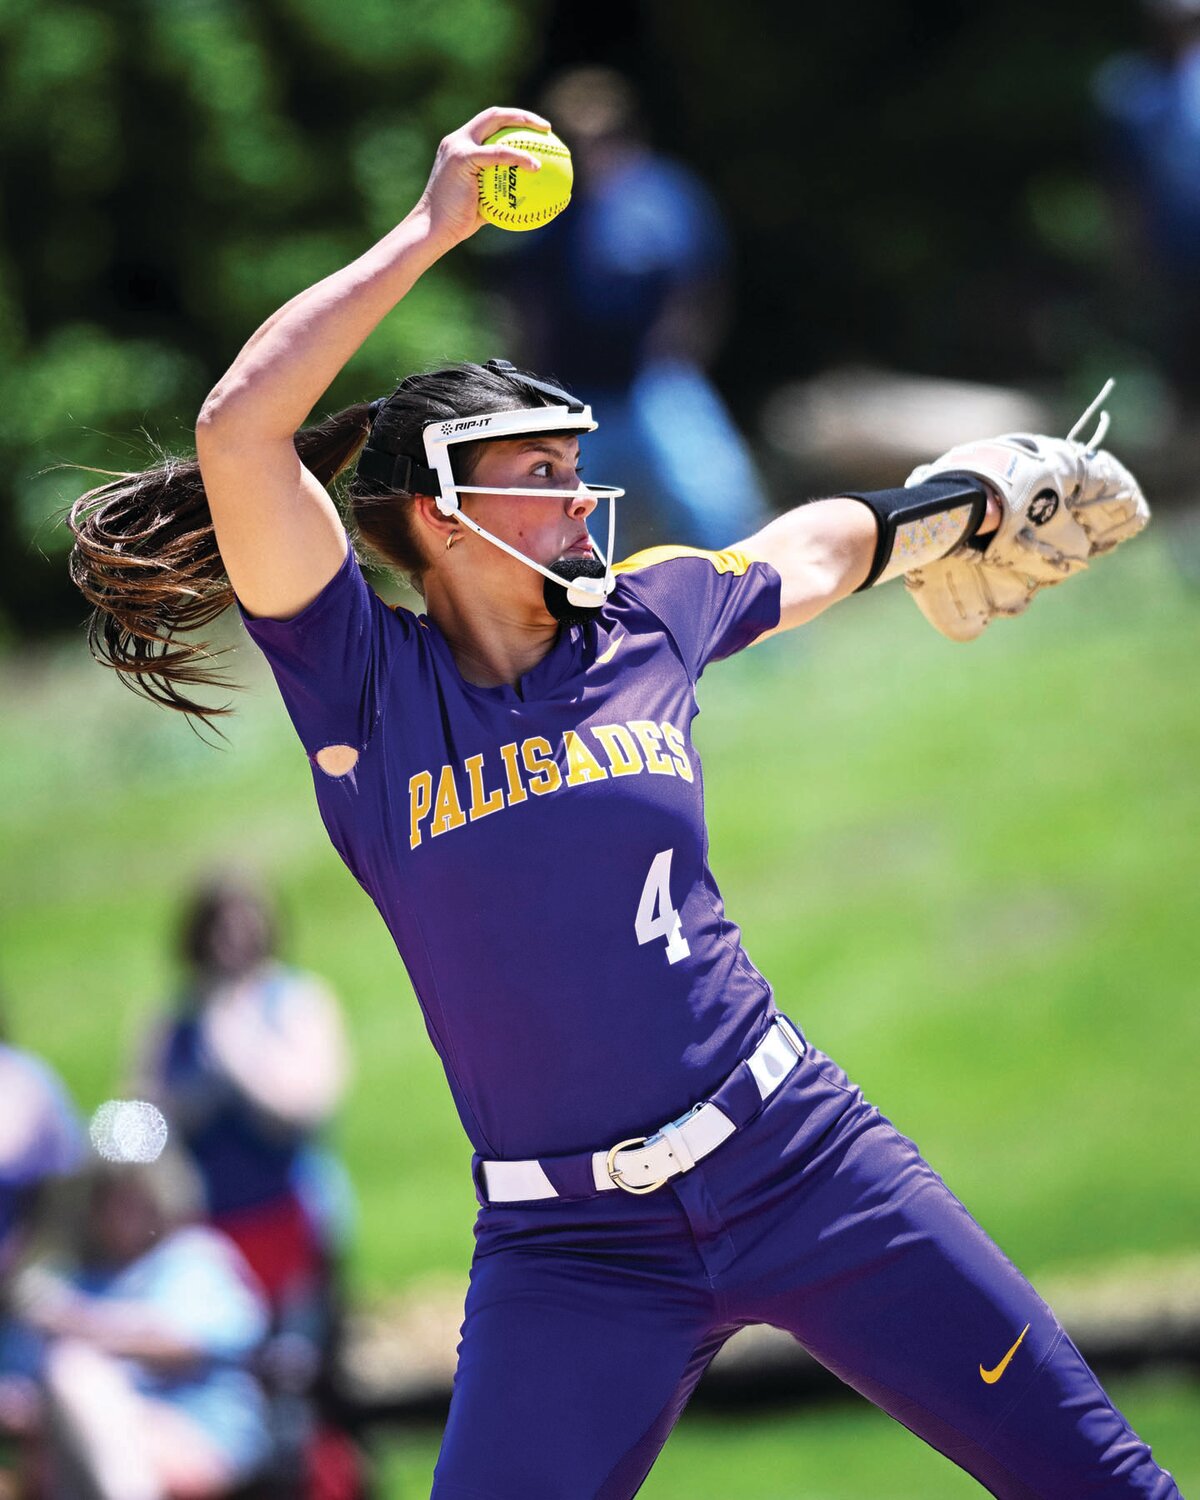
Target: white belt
645, 1163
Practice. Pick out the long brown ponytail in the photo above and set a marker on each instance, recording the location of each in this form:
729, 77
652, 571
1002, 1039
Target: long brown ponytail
145, 557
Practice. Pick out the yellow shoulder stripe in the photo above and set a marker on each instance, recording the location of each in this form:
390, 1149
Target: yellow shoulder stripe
728, 561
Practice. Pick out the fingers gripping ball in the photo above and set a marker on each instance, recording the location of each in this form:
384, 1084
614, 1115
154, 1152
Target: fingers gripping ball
512, 197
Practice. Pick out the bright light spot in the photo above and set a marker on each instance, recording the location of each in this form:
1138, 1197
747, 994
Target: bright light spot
128, 1130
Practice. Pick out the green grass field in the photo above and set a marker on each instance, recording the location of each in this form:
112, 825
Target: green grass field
970, 872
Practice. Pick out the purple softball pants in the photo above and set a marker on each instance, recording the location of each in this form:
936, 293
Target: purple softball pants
588, 1323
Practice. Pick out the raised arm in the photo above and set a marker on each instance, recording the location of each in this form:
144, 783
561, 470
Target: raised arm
824, 551
279, 534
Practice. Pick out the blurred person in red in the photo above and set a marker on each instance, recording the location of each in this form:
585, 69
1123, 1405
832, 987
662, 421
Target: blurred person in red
625, 297
146, 1334
248, 1067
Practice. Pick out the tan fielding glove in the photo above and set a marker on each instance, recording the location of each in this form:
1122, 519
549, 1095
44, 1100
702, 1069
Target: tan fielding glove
1064, 504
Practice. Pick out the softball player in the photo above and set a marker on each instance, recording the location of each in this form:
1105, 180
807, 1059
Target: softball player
661, 1156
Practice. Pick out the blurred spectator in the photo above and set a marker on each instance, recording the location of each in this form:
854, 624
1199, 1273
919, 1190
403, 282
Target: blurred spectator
247, 1068
40, 1140
146, 1335
1150, 102
622, 297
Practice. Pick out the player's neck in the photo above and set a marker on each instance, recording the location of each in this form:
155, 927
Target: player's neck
494, 642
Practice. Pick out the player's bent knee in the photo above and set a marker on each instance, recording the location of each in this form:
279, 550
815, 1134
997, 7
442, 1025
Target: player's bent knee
337, 760
1063, 1436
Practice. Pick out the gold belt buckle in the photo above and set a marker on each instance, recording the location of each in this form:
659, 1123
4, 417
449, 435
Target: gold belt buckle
615, 1176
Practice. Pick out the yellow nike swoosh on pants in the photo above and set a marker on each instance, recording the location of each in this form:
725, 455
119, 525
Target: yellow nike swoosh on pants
991, 1376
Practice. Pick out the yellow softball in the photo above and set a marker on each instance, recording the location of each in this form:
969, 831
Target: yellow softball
515, 198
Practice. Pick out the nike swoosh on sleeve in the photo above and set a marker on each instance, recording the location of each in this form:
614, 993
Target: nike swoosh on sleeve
608, 655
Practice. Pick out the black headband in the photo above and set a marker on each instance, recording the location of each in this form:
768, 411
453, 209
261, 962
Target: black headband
543, 387
396, 471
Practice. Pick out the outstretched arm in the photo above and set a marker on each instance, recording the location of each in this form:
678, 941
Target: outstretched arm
822, 552
278, 531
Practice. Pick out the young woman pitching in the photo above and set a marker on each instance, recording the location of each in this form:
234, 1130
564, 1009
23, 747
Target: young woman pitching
661, 1156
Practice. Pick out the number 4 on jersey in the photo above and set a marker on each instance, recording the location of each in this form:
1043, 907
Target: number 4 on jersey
656, 915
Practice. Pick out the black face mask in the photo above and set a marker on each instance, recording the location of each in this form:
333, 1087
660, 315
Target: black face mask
555, 595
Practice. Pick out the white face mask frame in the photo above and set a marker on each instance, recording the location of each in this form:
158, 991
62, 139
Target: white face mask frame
536, 421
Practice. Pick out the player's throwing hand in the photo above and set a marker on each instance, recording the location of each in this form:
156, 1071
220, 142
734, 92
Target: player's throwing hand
451, 197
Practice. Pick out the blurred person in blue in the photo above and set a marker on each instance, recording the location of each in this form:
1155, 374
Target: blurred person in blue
1150, 104
40, 1142
624, 297
40, 1139
249, 1066
147, 1333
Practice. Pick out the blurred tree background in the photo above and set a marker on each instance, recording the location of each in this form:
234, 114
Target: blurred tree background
912, 185
173, 171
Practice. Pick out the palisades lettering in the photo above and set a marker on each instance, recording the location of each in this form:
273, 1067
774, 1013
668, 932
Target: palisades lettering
439, 801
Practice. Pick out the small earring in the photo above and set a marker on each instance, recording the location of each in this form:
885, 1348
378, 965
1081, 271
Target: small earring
451, 539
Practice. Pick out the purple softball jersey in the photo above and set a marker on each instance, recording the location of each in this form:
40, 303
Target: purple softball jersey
539, 852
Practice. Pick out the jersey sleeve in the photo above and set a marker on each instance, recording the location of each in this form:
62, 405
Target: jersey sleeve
712, 603
331, 660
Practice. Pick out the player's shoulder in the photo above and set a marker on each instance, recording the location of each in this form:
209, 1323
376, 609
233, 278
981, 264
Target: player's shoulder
675, 587
730, 560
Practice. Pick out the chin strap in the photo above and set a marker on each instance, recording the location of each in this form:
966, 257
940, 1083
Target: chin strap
581, 592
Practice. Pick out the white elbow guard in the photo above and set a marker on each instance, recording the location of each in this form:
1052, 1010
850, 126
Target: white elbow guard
920, 524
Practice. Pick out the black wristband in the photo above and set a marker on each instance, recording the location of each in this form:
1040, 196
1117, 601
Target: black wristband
900, 508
